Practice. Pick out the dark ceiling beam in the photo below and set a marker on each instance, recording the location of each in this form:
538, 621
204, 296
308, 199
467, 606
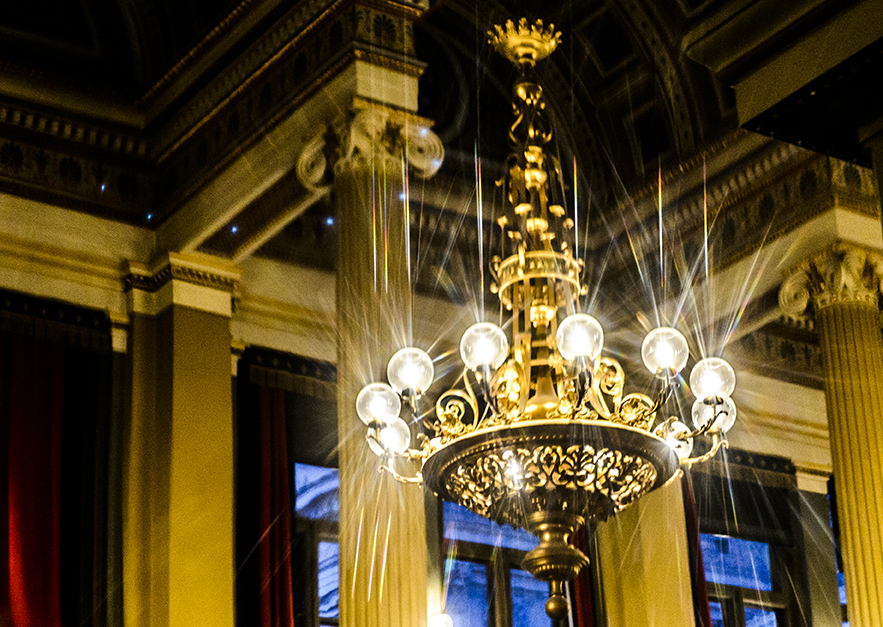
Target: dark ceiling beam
803, 71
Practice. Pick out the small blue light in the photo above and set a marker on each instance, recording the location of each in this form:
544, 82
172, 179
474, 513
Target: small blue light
402, 196
103, 185
424, 131
329, 221
149, 216
234, 229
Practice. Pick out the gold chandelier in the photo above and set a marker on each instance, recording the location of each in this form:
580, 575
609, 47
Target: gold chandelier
539, 433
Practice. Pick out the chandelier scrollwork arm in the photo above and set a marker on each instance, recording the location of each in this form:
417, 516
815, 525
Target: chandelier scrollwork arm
416, 479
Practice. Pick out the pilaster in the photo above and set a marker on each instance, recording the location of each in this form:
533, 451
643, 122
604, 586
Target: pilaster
178, 507
841, 289
643, 556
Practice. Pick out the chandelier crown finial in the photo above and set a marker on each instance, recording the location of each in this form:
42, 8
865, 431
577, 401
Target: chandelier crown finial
524, 43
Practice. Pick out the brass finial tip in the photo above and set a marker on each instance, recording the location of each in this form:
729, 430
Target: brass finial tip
524, 44
557, 607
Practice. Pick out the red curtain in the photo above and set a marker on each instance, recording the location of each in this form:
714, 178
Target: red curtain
276, 602
583, 603
697, 568
55, 377
32, 377
285, 412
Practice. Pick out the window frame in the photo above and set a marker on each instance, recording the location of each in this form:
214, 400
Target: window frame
499, 562
774, 477
308, 533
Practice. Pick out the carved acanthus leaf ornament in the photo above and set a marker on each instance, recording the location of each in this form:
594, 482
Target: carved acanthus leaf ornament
371, 137
841, 274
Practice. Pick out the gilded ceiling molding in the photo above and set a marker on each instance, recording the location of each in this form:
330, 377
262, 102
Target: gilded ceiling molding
680, 100
315, 28
368, 136
766, 195
842, 274
199, 49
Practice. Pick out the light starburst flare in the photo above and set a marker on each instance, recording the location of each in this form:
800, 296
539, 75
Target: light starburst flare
538, 432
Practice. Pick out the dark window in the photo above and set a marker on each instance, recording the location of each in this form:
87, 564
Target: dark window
740, 582
329, 581
750, 550
317, 514
835, 530
468, 593
485, 586
736, 562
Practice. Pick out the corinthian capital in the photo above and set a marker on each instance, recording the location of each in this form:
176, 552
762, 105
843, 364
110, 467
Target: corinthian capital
374, 137
842, 274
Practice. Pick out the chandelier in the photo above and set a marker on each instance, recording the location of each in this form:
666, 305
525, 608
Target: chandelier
538, 433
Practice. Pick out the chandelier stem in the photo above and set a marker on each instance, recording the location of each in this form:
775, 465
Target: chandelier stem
554, 560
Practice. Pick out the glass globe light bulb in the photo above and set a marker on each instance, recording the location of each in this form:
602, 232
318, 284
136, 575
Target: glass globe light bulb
377, 400
395, 436
665, 351
682, 448
484, 345
440, 620
712, 377
725, 411
580, 335
410, 369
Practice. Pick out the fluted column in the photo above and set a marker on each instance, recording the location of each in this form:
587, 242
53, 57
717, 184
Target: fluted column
366, 158
841, 288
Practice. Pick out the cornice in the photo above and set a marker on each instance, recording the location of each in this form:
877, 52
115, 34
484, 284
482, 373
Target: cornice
193, 268
767, 193
298, 55
237, 146
66, 128
199, 50
300, 23
306, 21
402, 65
191, 280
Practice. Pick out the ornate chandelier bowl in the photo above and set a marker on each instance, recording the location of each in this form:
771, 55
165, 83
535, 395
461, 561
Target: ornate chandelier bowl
539, 432
590, 468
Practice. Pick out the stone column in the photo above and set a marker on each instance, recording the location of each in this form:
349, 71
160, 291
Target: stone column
841, 289
367, 157
177, 492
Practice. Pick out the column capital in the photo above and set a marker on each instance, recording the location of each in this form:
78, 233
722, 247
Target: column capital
841, 274
193, 280
373, 136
